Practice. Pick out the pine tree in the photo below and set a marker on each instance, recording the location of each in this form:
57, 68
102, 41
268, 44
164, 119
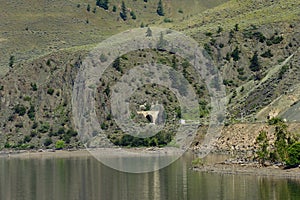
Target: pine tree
123, 13
102, 4
254, 66
114, 8
160, 9
235, 54
11, 61
161, 44
149, 32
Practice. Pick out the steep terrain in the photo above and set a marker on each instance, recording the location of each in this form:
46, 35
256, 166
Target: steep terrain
254, 44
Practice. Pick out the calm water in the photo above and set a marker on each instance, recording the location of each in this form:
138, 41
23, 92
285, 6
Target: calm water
85, 178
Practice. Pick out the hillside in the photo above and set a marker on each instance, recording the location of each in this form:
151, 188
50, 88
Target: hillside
35, 28
254, 44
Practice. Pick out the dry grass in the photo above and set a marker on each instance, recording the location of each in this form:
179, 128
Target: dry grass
33, 28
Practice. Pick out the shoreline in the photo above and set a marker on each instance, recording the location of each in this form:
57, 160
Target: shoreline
65, 153
222, 168
250, 170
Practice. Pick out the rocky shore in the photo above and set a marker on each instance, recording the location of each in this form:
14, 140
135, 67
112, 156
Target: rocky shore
253, 169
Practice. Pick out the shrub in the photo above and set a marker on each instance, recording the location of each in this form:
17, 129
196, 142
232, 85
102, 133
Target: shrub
132, 14
282, 71
208, 49
50, 91
34, 125
60, 144
259, 36
294, 154
267, 54
31, 112
27, 98
103, 58
27, 139
274, 120
20, 109
33, 86
198, 162
48, 142
274, 40
44, 128
168, 20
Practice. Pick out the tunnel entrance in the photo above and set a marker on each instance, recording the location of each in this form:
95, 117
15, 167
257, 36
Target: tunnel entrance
149, 118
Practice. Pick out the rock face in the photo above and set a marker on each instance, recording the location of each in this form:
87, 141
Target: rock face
36, 108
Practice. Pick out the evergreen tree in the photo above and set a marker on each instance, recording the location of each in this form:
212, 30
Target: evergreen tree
254, 66
235, 54
160, 9
262, 141
123, 13
161, 44
149, 32
114, 8
102, 4
11, 61
88, 8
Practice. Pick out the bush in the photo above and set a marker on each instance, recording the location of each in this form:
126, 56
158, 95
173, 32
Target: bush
20, 109
48, 142
208, 49
31, 113
274, 40
267, 54
294, 154
50, 91
275, 120
168, 20
282, 71
198, 162
235, 54
33, 86
132, 14
60, 144
27, 139
44, 128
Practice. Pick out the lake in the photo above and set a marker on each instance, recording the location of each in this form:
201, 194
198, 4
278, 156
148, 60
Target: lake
83, 177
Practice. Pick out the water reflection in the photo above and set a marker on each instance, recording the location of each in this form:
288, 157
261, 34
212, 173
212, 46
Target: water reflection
85, 178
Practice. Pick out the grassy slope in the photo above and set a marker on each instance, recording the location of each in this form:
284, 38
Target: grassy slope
246, 12
34, 28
